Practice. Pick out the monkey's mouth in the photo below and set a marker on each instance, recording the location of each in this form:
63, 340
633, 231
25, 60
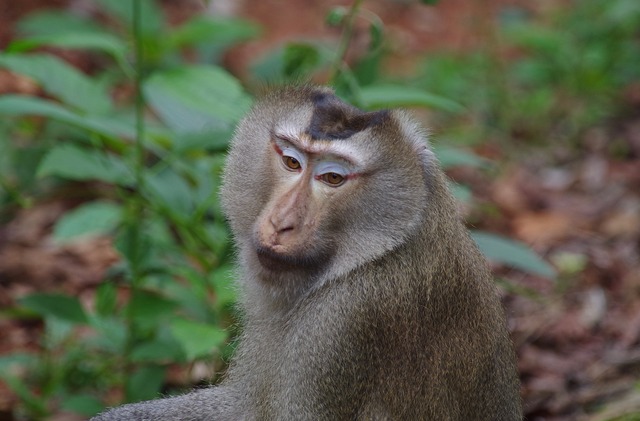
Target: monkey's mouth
277, 261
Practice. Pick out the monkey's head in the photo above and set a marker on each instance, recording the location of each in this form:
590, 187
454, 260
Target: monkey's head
313, 186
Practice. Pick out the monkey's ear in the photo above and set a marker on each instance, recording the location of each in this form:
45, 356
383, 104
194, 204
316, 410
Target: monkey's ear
418, 137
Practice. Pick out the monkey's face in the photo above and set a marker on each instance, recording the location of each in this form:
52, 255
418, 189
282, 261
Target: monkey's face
313, 179
315, 186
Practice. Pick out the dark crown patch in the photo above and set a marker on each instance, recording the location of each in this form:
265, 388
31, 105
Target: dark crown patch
334, 119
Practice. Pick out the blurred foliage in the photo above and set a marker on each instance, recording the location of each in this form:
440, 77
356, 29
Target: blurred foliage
544, 79
169, 300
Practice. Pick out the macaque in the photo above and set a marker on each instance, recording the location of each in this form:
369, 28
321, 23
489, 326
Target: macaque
363, 296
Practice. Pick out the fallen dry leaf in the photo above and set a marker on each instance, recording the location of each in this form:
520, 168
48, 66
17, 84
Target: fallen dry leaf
544, 228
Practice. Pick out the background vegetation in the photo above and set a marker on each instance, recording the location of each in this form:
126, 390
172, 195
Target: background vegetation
123, 117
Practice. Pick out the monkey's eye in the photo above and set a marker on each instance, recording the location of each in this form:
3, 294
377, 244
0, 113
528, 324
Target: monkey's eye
332, 178
292, 159
331, 173
291, 162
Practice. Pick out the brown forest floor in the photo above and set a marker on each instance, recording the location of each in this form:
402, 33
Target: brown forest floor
578, 338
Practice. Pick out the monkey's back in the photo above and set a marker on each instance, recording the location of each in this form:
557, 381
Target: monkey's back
444, 336
453, 353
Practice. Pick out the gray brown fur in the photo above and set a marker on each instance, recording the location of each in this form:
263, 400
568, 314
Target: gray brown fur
400, 321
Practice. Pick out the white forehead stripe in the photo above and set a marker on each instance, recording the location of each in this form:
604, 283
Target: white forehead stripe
346, 150
301, 140
287, 130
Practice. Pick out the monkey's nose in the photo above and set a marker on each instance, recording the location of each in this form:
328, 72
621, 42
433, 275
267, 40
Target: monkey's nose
283, 224
283, 233
285, 229
276, 231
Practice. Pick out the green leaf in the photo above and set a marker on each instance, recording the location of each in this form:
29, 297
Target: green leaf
171, 191
13, 361
159, 350
430, 2
461, 192
213, 141
383, 96
83, 404
291, 62
106, 43
152, 23
453, 157
61, 80
88, 219
300, 59
148, 306
145, 383
541, 39
74, 163
570, 263
136, 250
53, 22
226, 291
197, 339
194, 299
198, 98
57, 305
106, 299
111, 334
57, 332
19, 105
206, 174
218, 236
205, 29
336, 16
376, 31
367, 68
512, 253
28, 398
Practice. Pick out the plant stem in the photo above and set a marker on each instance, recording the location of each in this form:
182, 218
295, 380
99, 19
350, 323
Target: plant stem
138, 159
345, 39
135, 198
15, 194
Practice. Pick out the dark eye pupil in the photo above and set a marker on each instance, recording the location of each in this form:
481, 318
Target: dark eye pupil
291, 162
333, 178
